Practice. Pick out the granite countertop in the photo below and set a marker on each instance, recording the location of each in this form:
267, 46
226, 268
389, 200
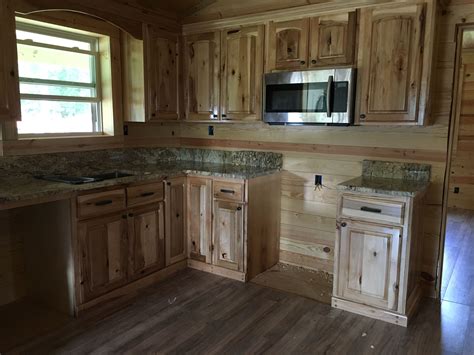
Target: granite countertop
23, 186
385, 186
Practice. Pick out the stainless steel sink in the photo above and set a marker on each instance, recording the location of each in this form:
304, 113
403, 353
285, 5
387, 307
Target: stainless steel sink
77, 180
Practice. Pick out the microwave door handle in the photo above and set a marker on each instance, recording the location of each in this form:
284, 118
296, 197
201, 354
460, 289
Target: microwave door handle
329, 96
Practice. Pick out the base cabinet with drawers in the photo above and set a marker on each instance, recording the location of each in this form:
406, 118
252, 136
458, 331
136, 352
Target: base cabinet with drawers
240, 237
377, 261
120, 238
229, 227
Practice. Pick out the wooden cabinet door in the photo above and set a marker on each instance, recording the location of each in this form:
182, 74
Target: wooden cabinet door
201, 76
103, 253
369, 263
332, 39
146, 230
242, 71
175, 240
390, 64
228, 235
288, 45
9, 86
161, 77
199, 220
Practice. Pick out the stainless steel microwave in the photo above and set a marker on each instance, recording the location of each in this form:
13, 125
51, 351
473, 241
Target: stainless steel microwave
309, 97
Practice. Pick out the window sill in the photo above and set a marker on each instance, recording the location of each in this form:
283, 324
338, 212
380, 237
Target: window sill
42, 144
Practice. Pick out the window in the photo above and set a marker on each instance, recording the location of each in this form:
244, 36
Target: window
59, 81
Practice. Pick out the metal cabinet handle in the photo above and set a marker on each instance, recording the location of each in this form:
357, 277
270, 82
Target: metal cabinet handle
343, 224
329, 96
227, 191
370, 209
314, 61
224, 116
147, 194
239, 208
103, 203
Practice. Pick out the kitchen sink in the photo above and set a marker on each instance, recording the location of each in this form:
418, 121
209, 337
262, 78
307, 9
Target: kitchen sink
77, 180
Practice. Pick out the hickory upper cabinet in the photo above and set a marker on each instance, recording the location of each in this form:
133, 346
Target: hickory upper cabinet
390, 63
9, 85
161, 62
201, 76
288, 44
241, 73
312, 42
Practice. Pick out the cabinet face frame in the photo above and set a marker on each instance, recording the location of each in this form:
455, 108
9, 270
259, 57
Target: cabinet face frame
175, 212
332, 26
154, 252
296, 33
162, 78
201, 61
199, 220
235, 236
354, 255
413, 18
244, 75
10, 109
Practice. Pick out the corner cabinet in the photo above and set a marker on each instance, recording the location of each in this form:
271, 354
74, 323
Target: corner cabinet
390, 59
161, 61
240, 239
377, 256
175, 194
9, 84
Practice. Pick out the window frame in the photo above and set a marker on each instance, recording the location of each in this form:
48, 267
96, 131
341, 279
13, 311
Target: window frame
43, 28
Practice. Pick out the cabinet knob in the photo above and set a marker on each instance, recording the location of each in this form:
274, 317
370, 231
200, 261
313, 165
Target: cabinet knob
12, 73
362, 116
130, 214
168, 183
314, 61
224, 116
303, 62
177, 215
239, 208
215, 116
343, 224
223, 255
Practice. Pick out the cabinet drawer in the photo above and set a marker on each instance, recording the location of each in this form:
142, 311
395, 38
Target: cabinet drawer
100, 203
226, 190
143, 194
373, 209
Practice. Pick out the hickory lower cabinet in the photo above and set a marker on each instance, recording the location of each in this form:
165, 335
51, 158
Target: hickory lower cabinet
377, 266
121, 238
233, 225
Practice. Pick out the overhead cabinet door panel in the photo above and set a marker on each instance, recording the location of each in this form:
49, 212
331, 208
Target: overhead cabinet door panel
161, 74
390, 64
201, 75
242, 68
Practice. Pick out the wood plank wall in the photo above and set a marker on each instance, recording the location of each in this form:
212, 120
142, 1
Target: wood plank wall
308, 216
462, 161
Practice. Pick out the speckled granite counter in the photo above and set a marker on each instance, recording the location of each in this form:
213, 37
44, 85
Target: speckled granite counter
390, 178
17, 182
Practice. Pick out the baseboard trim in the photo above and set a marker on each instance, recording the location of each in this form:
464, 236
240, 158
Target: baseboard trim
216, 270
372, 312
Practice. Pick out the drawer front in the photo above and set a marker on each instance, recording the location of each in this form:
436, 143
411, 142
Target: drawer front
144, 194
227, 190
373, 209
100, 203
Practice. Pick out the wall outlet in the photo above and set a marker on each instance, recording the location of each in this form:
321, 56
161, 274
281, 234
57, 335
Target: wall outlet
456, 190
318, 180
210, 130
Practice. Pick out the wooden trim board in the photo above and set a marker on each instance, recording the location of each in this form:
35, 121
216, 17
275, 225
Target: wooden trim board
216, 270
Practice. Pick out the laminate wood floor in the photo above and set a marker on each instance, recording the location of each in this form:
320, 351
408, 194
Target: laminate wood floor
196, 312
